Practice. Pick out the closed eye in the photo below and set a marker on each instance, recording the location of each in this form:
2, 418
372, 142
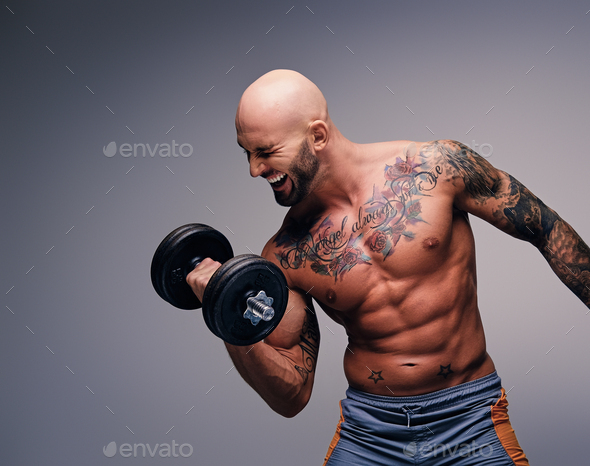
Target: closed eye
262, 152
262, 155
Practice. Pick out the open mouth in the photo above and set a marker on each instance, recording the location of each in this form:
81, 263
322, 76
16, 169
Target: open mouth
276, 181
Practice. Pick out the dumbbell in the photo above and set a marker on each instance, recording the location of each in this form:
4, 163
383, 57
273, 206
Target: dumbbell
245, 298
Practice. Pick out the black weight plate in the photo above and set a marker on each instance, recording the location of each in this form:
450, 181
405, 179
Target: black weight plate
160, 251
213, 289
240, 278
174, 259
225, 299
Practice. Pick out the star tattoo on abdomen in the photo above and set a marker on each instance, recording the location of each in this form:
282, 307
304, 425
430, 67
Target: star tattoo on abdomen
445, 370
375, 376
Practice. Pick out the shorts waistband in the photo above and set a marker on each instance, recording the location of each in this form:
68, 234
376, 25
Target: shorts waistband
488, 385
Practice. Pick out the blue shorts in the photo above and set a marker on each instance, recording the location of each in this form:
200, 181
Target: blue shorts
463, 425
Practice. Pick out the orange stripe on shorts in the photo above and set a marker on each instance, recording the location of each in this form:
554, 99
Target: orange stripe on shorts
505, 432
336, 437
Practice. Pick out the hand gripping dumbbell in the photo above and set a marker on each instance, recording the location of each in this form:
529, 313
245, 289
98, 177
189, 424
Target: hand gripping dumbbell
245, 298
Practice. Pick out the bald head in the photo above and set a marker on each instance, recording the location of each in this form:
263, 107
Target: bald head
282, 123
279, 101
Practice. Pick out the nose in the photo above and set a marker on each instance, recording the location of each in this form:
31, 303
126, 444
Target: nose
257, 167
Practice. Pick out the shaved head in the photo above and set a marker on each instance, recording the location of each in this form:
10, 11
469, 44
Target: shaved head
279, 101
282, 123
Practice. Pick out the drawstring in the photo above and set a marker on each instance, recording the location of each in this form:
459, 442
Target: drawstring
407, 411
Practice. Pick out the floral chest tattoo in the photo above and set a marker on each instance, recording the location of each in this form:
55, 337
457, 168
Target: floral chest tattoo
393, 210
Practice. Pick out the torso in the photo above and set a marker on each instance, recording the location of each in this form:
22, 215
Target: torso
398, 272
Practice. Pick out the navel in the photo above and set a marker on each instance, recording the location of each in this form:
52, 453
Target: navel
331, 296
430, 243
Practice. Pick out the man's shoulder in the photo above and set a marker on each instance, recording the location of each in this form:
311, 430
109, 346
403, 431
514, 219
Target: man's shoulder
273, 244
290, 226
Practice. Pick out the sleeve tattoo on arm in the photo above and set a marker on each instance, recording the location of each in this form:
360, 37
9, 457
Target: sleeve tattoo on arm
564, 250
569, 257
567, 254
520, 213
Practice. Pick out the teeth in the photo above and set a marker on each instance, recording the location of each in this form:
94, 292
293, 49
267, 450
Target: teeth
274, 179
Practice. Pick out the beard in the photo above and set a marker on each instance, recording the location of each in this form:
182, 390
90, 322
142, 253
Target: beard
303, 171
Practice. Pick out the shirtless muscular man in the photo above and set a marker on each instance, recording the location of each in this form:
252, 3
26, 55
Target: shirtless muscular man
378, 234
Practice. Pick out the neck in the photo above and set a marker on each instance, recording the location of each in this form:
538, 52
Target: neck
341, 173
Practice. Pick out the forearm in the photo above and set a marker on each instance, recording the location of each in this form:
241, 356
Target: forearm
273, 376
569, 257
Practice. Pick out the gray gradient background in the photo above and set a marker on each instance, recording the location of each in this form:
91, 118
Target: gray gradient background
83, 330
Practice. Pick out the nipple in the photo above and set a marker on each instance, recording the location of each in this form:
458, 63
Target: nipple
331, 296
430, 243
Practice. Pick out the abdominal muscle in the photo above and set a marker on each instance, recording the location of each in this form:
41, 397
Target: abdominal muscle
429, 340
407, 373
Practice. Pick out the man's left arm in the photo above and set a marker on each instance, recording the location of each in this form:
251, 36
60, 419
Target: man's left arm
500, 199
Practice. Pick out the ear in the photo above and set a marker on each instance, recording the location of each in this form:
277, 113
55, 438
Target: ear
319, 130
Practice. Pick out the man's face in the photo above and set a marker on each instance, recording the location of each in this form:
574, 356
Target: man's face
286, 162
303, 170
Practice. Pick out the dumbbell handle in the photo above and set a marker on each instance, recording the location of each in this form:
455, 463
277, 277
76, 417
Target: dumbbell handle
194, 262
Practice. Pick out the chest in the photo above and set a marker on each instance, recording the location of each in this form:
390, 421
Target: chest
343, 258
